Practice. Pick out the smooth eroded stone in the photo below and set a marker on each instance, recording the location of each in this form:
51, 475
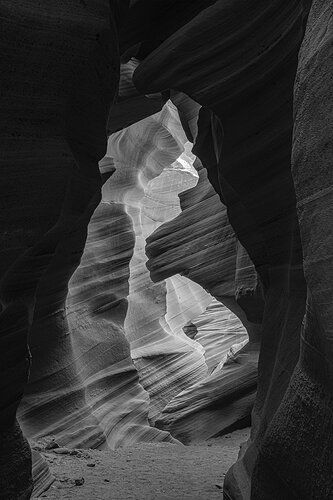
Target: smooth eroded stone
84, 389
226, 59
296, 458
200, 244
152, 168
60, 71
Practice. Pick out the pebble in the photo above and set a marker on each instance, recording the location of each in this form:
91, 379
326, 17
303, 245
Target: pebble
51, 445
79, 482
62, 451
91, 464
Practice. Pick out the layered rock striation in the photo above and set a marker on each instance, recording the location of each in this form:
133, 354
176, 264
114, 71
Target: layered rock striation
201, 245
147, 180
244, 81
58, 82
301, 430
84, 390
65, 321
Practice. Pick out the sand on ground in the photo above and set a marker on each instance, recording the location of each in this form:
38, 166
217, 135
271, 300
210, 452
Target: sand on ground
145, 471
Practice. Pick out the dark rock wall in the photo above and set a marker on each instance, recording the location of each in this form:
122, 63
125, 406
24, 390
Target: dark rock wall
296, 458
239, 59
59, 71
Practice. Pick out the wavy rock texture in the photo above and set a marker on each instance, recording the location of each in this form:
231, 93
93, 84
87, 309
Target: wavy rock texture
52, 136
167, 361
191, 243
238, 61
217, 330
148, 179
161, 203
226, 397
231, 75
200, 243
84, 389
41, 474
184, 300
216, 404
302, 429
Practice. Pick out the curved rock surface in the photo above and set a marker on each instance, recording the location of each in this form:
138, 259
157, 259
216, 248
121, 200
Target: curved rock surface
213, 406
302, 428
84, 390
217, 330
153, 325
130, 106
52, 136
244, 140
193, 242
201, 244
229, 68
148, 179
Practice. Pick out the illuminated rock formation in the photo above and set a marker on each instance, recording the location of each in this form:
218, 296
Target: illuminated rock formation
84, 390
217, 330
244, 140
201, 244
221, 401
208, 253
148, 179
229, 69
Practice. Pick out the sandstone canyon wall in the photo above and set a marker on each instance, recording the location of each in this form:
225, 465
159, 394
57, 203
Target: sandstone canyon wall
84, 390
102, 345
52, 137
301, 431
244, 140
167, 361
200, 244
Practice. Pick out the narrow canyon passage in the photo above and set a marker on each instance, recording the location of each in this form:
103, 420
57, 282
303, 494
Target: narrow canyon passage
166, 249
131, 370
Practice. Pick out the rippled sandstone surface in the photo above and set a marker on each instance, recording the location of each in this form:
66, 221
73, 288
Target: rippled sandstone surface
252, 229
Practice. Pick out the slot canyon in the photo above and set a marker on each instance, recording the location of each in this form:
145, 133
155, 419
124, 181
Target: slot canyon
166, 271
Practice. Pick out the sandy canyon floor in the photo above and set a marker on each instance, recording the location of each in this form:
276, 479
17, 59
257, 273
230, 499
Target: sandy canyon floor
145, 471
